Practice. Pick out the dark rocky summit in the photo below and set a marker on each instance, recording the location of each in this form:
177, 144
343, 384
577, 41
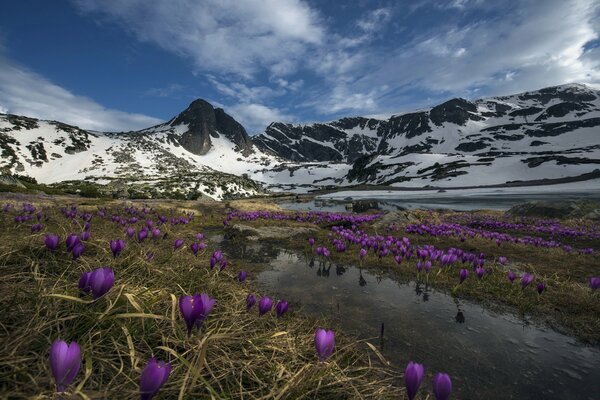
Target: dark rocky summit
204, 121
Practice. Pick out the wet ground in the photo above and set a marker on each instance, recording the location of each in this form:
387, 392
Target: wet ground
489, 355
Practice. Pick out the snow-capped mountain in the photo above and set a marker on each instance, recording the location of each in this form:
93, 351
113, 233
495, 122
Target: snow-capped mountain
546, 134
549, 133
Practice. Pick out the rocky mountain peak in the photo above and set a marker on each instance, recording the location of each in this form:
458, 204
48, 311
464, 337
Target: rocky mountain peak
205, 121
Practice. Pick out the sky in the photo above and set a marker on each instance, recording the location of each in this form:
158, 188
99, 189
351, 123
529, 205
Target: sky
118, 65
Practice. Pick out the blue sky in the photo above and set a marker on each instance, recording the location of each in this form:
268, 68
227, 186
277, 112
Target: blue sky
128, 64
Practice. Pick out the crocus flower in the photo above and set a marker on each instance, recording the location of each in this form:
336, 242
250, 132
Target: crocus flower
154, 376
195, 309
85, 235
78, 250
264, 305
223, 264
463, 275
178, 243
155, 233
442, 386
511, 276
218, 255
540, 288
281, 308
594, 283
362, 253
51, 242
502, 260
324, 343
195, 247
242, 276
130, 232
311, 241
84, 282
526, 279
413, 375
480, 271
142, 234
101, 280
250, 301
199, 236
213, 262
71, 241
65, 360
117, 246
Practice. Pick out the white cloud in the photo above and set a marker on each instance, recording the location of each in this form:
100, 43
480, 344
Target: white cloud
255, 117
232, 36
167, 91
529, 48
24, 92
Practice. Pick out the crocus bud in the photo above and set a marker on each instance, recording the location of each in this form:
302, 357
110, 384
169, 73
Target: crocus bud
101, 280
324, 343
463, 275
51, 241
442, 386
264, 305
250, 301
413, 375
65, 361
281, 308
154, 376
117, 246
511, 276
178, 244
242, 276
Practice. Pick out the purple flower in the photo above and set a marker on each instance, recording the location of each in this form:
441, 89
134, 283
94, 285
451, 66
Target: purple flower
594, 283
413, 375
195, 247
363, 252
324, 343
100, 281
480, 271
264, 305
117, 246
154, 376
130, 232
51, 241
242, 276
250, 301
213, 262
526, 279
155, 233
199, 237
78, 250
71, 241
217, 255
195, 309
85, 235
442, 386
540, 288
142, 234
178, 243
223, 264
281, 308
463, 275
84, 282
311, 241
511, 276
65, 360
502, 260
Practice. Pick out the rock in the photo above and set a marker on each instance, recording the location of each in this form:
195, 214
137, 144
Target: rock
272, 232
395, 217
11, 181
557, 209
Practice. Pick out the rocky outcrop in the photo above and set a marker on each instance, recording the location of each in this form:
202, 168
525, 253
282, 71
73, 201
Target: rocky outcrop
203, 122
557, 209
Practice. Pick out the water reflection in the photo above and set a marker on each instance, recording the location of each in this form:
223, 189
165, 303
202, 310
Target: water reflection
490, 356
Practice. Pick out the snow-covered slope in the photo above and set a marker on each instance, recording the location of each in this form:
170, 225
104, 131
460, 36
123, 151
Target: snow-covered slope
547, 134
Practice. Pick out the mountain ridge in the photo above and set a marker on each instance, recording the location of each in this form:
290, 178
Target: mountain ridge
550, 133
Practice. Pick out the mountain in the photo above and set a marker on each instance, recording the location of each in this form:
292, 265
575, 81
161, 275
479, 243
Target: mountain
532, 135
551, 133
201, 152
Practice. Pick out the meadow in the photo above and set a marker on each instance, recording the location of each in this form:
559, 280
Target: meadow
243, 342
